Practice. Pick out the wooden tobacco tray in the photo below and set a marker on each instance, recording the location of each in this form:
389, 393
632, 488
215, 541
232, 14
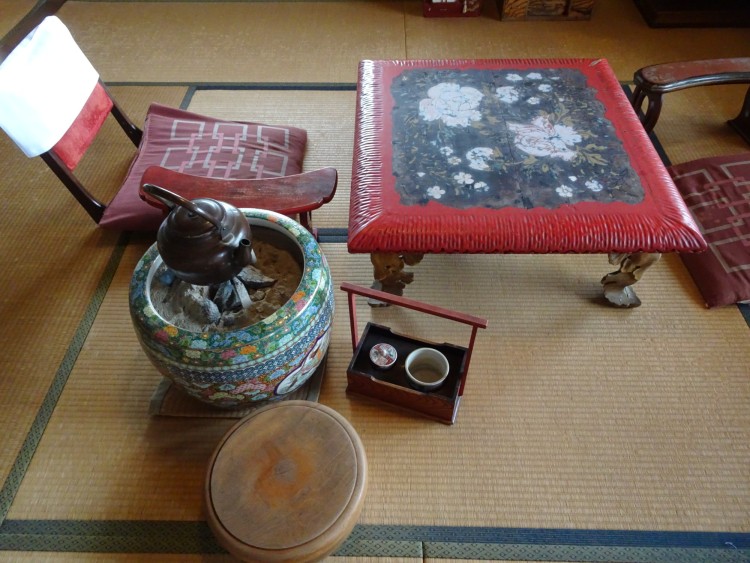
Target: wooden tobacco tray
391, 385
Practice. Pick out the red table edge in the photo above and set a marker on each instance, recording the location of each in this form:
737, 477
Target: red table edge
673, 228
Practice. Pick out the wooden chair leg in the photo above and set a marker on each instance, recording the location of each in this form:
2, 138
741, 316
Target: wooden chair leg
653, 111
636, 99
741, 123
651, 115
93, 206
131, 129
305, 219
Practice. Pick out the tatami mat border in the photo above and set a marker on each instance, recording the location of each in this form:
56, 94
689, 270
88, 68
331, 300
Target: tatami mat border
193, 87
333, 86
453, 542
106, 536
270, 86
745, 310
331, 234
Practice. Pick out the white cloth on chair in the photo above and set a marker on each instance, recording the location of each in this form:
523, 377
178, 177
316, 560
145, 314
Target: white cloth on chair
44, 84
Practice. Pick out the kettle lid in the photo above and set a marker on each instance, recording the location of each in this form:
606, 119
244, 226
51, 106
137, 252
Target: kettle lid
203, 217
192, 218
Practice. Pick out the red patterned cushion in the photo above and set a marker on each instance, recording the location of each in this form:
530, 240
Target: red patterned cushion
206, 147
717, 192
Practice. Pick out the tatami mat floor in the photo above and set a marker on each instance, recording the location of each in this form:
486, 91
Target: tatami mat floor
577, 418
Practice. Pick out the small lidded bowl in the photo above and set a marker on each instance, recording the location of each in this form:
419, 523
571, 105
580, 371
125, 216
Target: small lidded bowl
383, 355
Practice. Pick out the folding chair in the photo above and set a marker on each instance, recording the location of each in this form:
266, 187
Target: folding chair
53, 104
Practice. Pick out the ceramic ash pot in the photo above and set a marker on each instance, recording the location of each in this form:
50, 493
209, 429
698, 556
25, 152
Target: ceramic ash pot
265, 360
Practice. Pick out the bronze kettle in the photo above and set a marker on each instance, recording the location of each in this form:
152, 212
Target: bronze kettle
204, 241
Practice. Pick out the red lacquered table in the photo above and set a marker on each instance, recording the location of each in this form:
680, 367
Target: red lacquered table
508, 156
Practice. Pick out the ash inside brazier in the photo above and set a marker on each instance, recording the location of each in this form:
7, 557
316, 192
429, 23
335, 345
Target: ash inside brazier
254, 294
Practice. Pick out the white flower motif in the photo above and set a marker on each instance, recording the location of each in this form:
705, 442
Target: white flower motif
541, 138
572, 178
514, 77
534, 76
534, 101
454, 105
481, 186
594, 186
446, 151
564, 191
478, 157
545, 88
463, 178
454, 160
435, 192
420, 174
507, 94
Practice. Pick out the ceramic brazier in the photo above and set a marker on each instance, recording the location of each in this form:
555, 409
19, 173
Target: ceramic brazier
262, 361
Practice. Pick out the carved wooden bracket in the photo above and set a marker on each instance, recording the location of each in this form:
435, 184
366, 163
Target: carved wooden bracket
618, 285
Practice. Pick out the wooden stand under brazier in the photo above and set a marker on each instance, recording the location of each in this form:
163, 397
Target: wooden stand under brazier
391, 385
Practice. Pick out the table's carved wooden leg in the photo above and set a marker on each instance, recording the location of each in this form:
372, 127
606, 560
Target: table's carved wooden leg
389, 272
618, 285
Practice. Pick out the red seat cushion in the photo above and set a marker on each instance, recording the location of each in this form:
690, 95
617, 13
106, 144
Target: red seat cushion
717, 192
202, 146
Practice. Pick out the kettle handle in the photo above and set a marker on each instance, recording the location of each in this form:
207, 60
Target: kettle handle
170, 199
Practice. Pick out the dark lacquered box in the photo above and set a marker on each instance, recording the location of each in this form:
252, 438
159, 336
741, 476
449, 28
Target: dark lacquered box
391, 385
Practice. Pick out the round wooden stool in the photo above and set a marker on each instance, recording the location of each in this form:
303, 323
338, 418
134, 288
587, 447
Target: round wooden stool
286, 483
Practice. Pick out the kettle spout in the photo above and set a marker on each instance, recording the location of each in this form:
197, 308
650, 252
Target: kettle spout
244, 255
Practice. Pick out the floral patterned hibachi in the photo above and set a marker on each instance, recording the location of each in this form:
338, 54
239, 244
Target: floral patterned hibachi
489, 138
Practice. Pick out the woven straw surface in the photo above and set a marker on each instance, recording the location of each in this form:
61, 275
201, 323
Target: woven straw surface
575, 415
53, 257
260, 41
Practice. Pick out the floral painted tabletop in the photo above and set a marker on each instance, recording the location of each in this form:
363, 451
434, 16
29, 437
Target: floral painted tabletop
507, 156
497, 138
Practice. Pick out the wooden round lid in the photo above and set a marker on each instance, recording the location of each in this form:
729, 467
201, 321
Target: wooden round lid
286, 483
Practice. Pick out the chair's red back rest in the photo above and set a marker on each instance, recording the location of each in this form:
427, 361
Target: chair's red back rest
77, 139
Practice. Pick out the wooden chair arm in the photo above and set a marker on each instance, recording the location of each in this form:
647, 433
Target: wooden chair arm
289, 195
669, 77
653, 81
